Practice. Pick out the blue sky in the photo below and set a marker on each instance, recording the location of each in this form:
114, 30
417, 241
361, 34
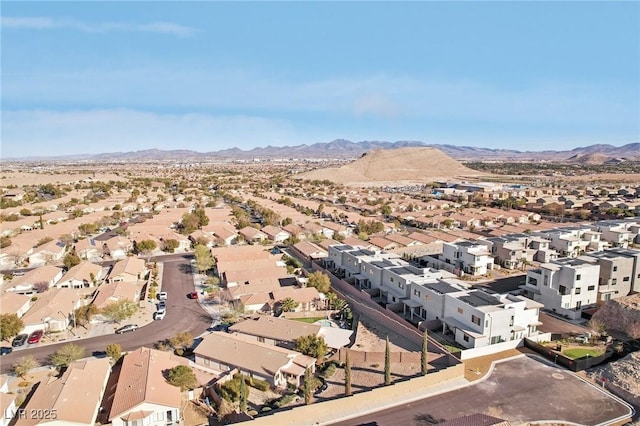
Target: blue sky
89, 77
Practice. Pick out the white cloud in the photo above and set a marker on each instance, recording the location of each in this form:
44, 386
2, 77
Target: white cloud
42, 132
45, 23
381, 96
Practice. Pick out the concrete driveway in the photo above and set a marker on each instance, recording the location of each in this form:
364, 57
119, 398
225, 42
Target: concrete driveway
520, 390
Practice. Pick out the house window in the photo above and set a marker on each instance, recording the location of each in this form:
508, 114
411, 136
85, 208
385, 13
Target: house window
562, 289
475, 319
578, 277
260, 339
591, 288
460, 311
401, 285
614, 281
416, 293
532, 281
625, 279
578, 290
511, 321
465, 338
615, 268
391, 279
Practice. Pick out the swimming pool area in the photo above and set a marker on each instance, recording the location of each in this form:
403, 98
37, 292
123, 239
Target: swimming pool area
326, 323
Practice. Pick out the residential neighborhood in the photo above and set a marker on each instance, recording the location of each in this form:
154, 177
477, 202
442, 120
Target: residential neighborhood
285, 281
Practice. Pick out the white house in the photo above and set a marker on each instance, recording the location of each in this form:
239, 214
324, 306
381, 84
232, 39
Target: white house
468, 257
565, 286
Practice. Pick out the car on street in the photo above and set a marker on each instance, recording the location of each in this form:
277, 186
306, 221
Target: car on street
162, 304
127, 328
35, 336
5, 350
193, 295
323, 386
19, 340
162, 295
160, 314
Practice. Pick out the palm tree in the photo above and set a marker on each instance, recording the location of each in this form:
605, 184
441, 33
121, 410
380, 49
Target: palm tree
288, 305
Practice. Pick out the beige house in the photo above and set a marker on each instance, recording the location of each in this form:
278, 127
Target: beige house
115, 291
52, 311
51, 252
130, 269
118, 247
142, 395
84, 274
75, 397
48, 274
89, 249
15, 303
278, 366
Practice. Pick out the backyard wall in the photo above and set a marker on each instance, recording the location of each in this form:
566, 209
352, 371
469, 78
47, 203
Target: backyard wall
358, 404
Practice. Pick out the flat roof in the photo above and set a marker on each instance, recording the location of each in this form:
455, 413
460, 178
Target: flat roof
479, 298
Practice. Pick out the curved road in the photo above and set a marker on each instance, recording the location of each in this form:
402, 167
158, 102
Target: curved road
183, 314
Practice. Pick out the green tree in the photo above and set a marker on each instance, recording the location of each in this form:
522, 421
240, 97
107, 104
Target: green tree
71, 260
424, 364
243, 394
10, 326
114, 351
170, 245
387, 364
119, 310
204, 260
146, 246
320, 281
288, 304
183, 377
308, 386
347, 375
230, 390
66, 355
25, 364
312, 345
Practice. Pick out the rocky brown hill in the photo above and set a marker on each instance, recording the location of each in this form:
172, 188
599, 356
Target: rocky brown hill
622, 314
622, 377
421, 164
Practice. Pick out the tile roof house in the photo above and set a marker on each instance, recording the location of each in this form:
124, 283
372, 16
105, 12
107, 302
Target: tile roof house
142, 395
52, 310
89, 249
115, 291
45, 274
307, 298
275, 233
14, 303
205, 237
118, 247
84, 274
309, 250
50, 252
130, 269
76, 396
251, 234
278, 366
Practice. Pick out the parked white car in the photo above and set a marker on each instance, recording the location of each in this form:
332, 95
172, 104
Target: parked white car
159, 314
162, 295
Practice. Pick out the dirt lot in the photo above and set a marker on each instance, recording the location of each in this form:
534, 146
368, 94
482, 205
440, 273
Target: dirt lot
370, 337
9, 177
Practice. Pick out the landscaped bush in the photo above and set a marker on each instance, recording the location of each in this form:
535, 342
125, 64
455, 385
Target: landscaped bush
259, 384
285, 400
328, 369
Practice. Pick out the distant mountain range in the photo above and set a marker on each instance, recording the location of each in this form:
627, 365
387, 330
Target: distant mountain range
342, 148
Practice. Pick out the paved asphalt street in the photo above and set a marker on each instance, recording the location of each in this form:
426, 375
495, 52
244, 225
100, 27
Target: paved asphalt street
519, 390
183, 314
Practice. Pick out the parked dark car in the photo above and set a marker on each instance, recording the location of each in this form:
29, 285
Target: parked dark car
323, 387
193, 295
5, 350
19, 340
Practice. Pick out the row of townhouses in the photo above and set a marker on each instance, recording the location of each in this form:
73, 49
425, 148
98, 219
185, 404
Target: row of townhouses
473, 317
568, 286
